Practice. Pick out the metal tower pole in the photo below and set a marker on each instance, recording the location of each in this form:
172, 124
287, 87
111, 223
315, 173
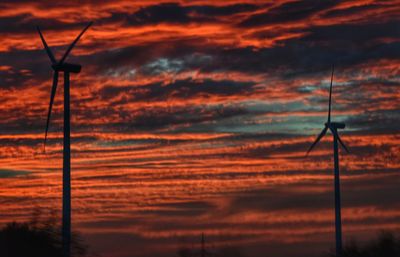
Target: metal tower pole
66, 208
338, 219
203, 246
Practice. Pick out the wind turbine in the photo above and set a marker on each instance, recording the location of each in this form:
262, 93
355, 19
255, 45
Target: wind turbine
203, 250
333, 127
67, 68
203, 246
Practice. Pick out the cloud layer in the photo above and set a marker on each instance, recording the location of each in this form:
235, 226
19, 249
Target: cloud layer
194, 116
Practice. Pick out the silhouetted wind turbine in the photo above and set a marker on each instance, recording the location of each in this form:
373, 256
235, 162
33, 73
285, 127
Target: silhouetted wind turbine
203, 251
203, 246
333, 127
67, 68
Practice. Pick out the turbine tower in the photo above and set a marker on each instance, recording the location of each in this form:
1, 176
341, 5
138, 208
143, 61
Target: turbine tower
333, 127
203, 246
67, 68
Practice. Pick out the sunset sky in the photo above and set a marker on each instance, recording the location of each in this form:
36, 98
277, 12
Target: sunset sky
194, 117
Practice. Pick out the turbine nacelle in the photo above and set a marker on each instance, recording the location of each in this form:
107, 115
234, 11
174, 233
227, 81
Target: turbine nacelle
335, 125
67, 67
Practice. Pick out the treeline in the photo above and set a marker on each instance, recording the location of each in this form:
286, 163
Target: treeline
43, 239
385, 245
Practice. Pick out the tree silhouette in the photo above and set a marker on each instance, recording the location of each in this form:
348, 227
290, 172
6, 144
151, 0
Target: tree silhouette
185, 252
386, 245
35, 240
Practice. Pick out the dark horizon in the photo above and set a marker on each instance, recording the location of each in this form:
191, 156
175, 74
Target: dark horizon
193, 117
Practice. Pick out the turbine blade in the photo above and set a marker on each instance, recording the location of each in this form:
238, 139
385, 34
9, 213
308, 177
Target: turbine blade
323, 132
53, 93
49, 53
330, 95
341, 142
74, 43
